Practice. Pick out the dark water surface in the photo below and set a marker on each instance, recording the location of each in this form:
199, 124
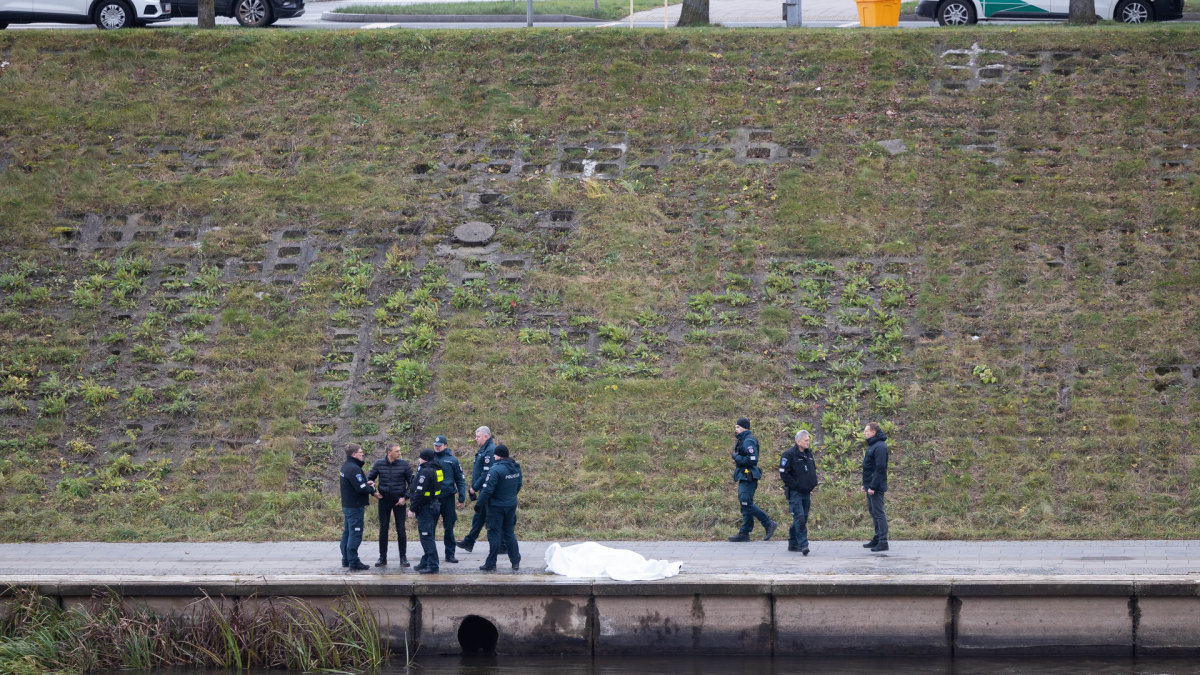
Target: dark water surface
714, 665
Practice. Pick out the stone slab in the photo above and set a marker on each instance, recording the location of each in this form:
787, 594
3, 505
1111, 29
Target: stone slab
526, 624
870, 625
1169, 624
1045, 625
683, 624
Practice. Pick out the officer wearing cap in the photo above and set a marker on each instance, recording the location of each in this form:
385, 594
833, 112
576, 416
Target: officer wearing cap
453, 483
424, 502
499, 499
746, 474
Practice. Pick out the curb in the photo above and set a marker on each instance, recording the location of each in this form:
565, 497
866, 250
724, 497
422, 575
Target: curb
454, 18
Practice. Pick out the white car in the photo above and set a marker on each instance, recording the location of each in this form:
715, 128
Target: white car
965, 12
106, 14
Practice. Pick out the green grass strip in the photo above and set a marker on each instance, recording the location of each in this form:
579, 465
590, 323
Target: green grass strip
601, 9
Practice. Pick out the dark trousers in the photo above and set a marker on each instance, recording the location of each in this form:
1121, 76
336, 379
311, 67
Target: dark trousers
478, 520
746, 489
501, 533
875, 507
799, 503
449, 518
426, 526
352, 528
389, 507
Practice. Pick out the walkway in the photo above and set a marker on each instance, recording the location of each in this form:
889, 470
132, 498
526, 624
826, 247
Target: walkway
21, 562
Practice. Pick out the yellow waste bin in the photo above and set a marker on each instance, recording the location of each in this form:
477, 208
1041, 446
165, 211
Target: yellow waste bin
875, 13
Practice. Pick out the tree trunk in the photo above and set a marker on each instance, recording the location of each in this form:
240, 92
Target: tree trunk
206, 14
1081, 13
693, 13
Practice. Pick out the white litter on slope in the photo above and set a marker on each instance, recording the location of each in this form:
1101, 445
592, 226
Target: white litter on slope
590, 559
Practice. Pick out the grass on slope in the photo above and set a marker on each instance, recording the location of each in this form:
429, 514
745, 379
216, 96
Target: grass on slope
227, 253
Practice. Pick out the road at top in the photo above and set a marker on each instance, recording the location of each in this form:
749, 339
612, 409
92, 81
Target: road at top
756, 558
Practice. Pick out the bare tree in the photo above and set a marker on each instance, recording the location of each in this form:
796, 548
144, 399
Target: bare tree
206, 14
1081, 13
693, 13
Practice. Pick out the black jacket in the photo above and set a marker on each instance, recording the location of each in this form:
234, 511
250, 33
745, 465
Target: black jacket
798, 470
453, 473
875, 461
355, 491
483, 462
426, 487
502, 484
745, 457
391, 478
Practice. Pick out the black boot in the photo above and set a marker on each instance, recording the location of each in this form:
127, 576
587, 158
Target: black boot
871, 544
771, 527
382, 562
881, 546
740, 536
403, 561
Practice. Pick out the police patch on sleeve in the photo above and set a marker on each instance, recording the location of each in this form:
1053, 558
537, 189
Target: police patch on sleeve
783, 461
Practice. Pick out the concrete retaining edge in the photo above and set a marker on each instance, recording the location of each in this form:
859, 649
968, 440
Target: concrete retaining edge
730, 614
454, 18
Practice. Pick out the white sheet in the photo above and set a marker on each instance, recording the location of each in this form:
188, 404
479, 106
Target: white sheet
590, 559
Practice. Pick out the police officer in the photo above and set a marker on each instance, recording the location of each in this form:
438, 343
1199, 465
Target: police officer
798, 470
479, 471
453, 484
424, 502
392, 476
356, 491
499, 497
746, 474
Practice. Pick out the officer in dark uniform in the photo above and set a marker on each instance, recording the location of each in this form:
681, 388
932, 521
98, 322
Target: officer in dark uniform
746, 474
392, 476
479, 471
356, 491
499, 497
424, 502
454, 484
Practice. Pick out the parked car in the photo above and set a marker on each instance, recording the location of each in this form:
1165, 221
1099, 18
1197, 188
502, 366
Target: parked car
965, 12
106, 14
254, 13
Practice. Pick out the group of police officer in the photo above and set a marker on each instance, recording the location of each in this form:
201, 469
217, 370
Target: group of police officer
428, 493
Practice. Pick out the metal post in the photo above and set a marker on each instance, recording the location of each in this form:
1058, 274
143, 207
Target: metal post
631, 13
529, 13
792, 13
664, 14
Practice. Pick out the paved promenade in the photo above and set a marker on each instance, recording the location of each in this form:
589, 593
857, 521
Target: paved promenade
1098, 559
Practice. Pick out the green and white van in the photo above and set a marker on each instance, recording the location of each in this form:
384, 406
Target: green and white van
965, 12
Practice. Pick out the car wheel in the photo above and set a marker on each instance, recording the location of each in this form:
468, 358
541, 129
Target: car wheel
1134, 11
956, 13
254, 13
113, 14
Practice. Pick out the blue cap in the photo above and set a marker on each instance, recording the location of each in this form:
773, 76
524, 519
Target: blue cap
439, 440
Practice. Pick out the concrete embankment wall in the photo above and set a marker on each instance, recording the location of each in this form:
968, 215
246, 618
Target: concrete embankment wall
729, 615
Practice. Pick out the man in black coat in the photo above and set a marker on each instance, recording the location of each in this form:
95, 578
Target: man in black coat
798, 470
746, 475
425, 502
356, 491
392, 476
499, 497
874, 482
